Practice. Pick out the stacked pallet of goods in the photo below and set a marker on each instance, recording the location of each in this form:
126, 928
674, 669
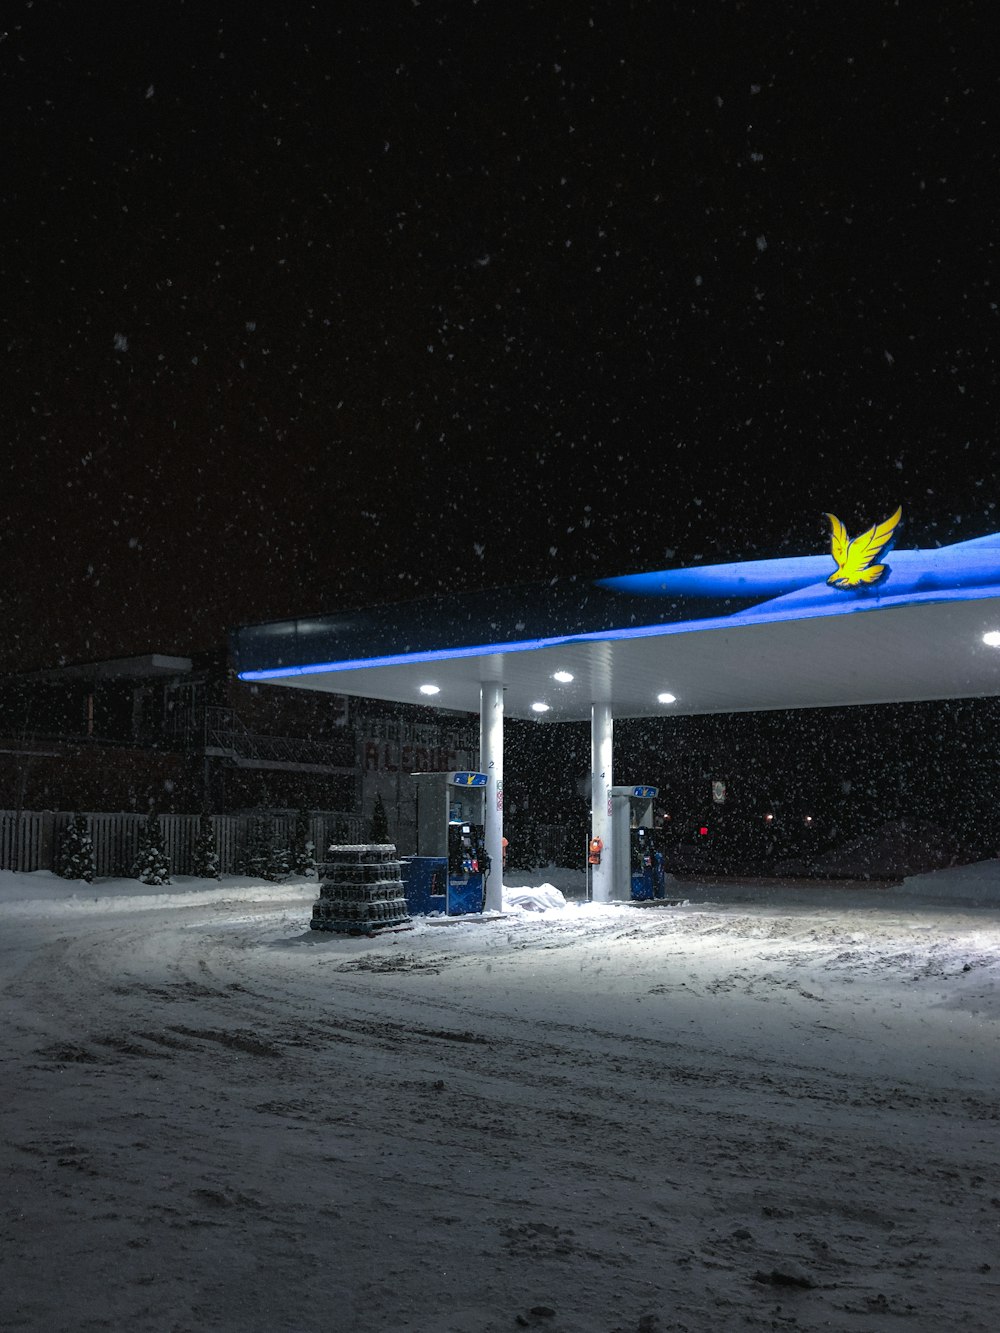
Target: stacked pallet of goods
361, 890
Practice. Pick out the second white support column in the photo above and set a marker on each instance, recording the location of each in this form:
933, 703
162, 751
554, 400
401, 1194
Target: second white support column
491, 763
602, 779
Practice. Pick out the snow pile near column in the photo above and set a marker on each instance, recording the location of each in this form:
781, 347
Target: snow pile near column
543, 898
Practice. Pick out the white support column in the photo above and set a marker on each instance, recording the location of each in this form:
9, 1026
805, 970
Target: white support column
491, 763
601, 779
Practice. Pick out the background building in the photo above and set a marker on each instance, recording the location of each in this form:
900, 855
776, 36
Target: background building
182, 734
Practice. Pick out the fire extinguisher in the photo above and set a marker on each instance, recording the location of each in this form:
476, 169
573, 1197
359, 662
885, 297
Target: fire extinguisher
594, 850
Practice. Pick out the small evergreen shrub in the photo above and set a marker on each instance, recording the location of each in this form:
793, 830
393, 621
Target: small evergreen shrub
303, 848
151, 865
205, 858
258, 848
265, 857
278, 863
378, 828
76, 851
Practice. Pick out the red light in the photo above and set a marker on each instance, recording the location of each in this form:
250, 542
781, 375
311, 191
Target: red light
703, 830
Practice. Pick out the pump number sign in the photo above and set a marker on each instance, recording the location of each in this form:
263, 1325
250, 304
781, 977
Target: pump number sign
469, 779
645, 793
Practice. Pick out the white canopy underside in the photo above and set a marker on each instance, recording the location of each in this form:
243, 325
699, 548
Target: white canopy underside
899, 654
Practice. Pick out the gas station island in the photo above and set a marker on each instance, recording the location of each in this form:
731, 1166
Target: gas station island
862, 624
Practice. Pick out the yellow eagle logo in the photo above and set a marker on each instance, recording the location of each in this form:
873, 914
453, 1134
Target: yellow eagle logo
854, 558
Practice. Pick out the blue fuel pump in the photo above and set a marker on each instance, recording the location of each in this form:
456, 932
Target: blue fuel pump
638, 861
449, 871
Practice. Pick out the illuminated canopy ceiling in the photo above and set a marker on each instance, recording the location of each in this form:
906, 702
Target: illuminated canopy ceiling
746, 636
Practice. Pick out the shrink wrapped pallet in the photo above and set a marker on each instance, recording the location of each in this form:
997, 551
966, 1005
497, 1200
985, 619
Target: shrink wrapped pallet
360, 891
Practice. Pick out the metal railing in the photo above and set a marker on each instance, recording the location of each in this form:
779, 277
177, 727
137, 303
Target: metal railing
220, 730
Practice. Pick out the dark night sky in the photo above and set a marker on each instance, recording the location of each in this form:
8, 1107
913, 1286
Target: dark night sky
311, 304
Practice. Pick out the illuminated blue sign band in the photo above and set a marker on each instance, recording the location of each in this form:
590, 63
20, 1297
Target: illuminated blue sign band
635, 606
401, 659
752, 616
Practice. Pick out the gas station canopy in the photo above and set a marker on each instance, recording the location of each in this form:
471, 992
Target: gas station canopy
856, 626
746, 636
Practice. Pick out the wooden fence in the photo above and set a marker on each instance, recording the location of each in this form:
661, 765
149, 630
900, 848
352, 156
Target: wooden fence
29, 840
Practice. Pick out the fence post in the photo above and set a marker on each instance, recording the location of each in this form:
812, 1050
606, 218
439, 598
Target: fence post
46, 842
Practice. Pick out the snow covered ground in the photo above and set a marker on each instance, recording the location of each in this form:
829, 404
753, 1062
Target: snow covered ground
766, 1107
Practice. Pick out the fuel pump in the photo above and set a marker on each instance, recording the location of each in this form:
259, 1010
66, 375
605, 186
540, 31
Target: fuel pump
449, 872
637, 870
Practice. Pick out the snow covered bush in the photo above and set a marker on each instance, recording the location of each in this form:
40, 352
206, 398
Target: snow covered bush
205, 856
264, 857
378, 828
303, 848
151, 865
278, 863
253, 860
76, 851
